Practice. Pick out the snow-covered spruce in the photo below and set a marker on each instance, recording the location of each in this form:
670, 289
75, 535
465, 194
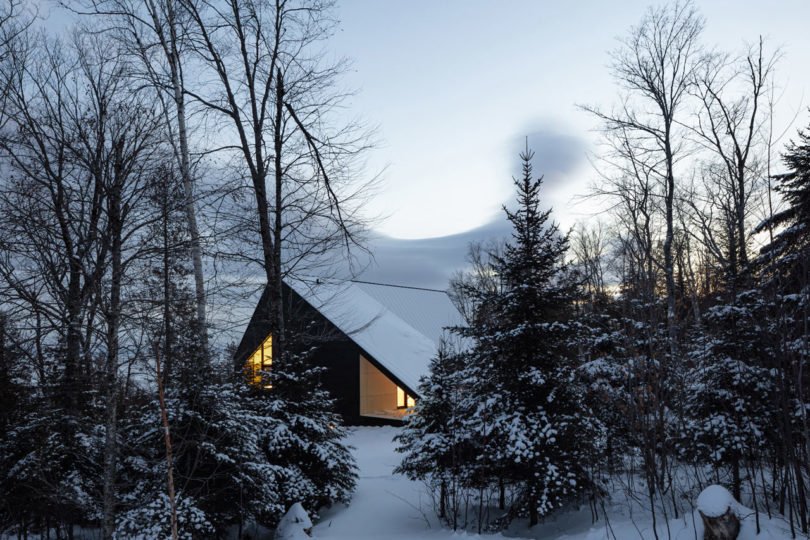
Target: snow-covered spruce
234, 443
525, 429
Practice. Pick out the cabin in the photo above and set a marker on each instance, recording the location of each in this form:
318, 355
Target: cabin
374, 340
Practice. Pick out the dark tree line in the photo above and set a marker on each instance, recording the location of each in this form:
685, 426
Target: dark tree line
561, 391
657, 351
117, 206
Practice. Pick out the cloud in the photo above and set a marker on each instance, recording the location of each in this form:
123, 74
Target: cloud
557, 157
427, 262
430, 262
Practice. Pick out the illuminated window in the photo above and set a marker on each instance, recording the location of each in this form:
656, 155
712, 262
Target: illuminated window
261, 360
404, 401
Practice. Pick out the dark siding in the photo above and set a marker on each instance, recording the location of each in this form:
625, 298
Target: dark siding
335, 351
341, 377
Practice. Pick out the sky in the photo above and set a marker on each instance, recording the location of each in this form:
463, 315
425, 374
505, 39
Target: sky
456, 87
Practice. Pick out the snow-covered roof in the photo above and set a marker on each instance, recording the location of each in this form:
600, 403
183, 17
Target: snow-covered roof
400, 327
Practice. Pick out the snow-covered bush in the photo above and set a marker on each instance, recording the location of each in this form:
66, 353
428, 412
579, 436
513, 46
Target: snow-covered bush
307, 440
219, 437
241, 454
152, 521
729, 391
295, 524
50, 462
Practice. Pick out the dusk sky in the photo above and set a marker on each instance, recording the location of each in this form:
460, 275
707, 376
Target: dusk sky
455, 86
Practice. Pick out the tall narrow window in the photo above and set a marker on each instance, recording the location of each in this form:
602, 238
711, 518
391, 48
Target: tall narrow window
401, 397
404, 401
261, 360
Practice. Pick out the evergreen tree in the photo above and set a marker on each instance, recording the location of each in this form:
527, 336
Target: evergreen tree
787, 254
530, 408
221, 469
15, 398
436, 443
242, 455
784, 266
50, 457
604, 369
308, 442
729, 392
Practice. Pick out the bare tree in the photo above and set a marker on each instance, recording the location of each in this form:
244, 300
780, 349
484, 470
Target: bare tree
469, 286
589, 247
121, 153
628, 180
730, 124
151, 31
52, 260
656, 65
262, 79
81, 152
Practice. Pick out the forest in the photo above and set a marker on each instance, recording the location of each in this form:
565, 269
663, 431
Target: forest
161, 159
652, 353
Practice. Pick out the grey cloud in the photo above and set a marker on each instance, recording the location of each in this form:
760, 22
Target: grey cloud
556, 154
427, 262
430, 262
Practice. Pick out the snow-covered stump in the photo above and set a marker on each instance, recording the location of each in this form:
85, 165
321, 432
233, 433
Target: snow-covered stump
295, 525
718, 510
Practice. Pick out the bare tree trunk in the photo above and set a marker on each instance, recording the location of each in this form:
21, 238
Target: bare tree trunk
669, 270
168, 335
443, 499
185, 171
278, 146
534, 517
113, 317
167, 440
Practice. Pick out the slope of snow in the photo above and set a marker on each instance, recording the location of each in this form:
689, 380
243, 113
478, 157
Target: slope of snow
387, 506
428, 311
376, 328
384, 506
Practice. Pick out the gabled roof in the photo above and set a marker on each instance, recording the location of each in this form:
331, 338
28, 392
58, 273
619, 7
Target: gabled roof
400, 327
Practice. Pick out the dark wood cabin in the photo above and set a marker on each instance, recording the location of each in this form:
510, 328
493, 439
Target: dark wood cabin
374, 340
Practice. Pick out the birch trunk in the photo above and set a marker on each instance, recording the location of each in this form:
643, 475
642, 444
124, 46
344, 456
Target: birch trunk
113, 316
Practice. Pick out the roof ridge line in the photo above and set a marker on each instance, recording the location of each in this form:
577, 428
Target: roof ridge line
397, 286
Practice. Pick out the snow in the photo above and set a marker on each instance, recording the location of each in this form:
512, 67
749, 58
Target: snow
384, 506
294, 524
428, 311
399, 327
392, 507
714, 501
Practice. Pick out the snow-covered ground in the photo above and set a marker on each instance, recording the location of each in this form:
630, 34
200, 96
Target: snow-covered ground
392, 507
384, 506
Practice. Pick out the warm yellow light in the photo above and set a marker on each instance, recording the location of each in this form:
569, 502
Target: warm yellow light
404, 400
400, 397
261, 360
